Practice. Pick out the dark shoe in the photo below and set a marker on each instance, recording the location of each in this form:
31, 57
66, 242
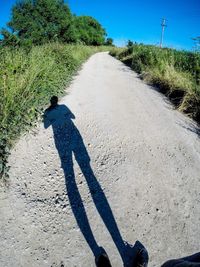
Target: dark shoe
141, 256
102, 260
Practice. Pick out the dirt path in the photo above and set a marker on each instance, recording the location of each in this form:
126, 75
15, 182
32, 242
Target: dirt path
143, 183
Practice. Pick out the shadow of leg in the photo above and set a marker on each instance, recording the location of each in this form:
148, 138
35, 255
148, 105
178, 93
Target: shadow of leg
103, 208
74, 143
79, 210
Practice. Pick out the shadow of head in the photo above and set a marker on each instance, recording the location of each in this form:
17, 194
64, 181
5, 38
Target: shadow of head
53, 101
57, 115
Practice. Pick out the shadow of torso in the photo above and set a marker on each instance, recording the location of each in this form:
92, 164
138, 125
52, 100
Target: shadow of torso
67, 138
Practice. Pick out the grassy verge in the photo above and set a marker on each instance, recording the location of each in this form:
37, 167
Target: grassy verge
28, 80
175, 73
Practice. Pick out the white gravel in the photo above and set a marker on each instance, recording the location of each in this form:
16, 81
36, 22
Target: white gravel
145, 156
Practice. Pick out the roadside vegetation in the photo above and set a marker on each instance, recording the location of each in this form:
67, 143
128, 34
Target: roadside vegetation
42, 47
28, 80
175, 73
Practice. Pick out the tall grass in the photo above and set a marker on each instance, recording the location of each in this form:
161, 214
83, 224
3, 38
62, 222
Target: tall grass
28, 80
175, 73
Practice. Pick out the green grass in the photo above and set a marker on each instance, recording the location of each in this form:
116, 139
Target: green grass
28, 80
175, 73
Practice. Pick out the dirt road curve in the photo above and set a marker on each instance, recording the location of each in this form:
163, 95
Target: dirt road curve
142, 181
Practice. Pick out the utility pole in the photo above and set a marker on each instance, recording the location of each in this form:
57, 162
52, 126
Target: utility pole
162, 33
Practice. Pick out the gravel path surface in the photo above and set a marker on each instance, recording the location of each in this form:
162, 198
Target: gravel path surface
135, 176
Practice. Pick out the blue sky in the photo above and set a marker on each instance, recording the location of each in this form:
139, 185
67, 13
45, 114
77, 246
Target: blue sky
139, 21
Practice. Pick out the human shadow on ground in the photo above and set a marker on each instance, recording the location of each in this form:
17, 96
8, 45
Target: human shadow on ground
69, 142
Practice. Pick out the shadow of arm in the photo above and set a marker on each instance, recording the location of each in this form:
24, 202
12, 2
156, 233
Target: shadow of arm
46, 121
72, 116
68, 113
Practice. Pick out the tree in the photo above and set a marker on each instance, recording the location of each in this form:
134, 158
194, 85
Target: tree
89, 31
129, 43
40, 21
9, 39
109, 41
196, 43
36, 22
